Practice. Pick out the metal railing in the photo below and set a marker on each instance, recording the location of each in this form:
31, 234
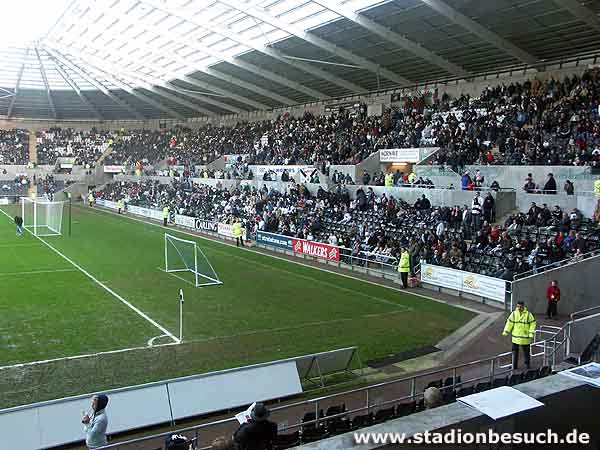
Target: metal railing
561, 263
414, 386
370, 400
552, 340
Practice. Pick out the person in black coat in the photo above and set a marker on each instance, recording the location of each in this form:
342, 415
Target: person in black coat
488, 208
550, 186
258, 432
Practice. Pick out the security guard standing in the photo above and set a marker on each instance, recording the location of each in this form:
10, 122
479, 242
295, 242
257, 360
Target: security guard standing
165, 215
91, 199
121, 206
404, 267
389, 180
238, 233
521, 326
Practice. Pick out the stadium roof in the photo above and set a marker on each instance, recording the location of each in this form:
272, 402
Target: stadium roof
116, 59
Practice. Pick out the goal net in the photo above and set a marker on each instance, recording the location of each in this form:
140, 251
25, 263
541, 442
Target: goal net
185, 256
42, 217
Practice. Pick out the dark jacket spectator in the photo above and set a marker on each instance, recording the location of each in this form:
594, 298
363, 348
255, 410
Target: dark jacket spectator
550, 186
569, 187
258, 433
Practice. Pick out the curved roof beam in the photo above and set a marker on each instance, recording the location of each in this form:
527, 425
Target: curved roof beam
473, 27
75, 68
189, 80
156, 81
135, 78
74, 86
18, 84
394, 38
113, 80
264, 16
227, 33
185, 40
45, 78
580, 11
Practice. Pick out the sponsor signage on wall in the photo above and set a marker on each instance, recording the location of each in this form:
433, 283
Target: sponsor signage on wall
274, 240
107, 203
292, 170
407, 155
145, 212
113, 169
472, 283
316, 249
196, 224
225, 229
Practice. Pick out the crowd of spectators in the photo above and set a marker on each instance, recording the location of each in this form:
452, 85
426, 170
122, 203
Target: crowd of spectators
85, 146
374, 228
551, 122
14, 147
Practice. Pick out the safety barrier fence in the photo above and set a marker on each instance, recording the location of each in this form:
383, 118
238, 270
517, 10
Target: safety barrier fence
561, 263
550, 347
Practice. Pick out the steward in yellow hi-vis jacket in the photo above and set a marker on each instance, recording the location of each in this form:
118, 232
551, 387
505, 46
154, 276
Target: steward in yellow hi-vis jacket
238, 233
165, 216
521, 326
404, 267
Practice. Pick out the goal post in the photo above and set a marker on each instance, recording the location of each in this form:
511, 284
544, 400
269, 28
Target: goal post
182, 255
42, 217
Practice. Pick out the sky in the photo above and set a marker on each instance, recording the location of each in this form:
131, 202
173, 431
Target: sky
28, 20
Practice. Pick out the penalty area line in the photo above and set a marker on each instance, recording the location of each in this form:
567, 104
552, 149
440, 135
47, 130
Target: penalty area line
35, 272
106, 288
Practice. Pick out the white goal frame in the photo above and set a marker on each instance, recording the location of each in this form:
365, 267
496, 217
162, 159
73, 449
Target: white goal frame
39, 227
200, 279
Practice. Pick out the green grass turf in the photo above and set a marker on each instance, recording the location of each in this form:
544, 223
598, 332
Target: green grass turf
266, 309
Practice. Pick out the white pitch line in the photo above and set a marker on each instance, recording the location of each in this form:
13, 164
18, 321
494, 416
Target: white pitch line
84, 356
18, 245
106, 288
101, 210
300, 326
151, 340
35, 272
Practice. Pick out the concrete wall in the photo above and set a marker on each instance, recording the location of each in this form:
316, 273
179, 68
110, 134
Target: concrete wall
505, 201
585, 203
514, 176
474, 88
582, 332
568, 404
346, 169
371, 165
578, 285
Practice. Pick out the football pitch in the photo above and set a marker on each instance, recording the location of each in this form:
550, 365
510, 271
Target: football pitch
101, 289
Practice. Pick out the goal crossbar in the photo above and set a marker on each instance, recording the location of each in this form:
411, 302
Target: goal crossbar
42, 217
182, 255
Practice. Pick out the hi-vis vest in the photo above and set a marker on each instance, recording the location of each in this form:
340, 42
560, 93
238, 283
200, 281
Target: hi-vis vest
521, 326
597, 188
166, 212
237, 229
121, 204
404, 265
389, 180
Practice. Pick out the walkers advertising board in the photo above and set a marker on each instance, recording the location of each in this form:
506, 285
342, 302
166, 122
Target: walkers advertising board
316, 249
